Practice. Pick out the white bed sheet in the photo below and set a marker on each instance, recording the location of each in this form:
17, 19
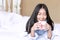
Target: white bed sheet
12, 26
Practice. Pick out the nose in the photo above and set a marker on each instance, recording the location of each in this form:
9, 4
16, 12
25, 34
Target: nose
42, 17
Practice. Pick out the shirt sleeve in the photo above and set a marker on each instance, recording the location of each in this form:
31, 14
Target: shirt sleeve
28, 37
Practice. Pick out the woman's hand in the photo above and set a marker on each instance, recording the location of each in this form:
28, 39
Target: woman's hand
37, 26
34, 27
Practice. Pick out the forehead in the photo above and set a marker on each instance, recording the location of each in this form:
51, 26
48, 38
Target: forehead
42, 10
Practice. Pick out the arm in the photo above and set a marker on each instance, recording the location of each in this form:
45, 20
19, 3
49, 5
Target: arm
32, 34
49, 35
29, 37
34, 27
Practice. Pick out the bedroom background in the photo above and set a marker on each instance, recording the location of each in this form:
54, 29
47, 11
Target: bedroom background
15, 13
28, 6
25, 7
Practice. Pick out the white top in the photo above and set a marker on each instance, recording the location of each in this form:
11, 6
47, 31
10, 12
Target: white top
43, 37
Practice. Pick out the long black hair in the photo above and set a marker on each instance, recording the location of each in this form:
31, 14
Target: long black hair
33, 18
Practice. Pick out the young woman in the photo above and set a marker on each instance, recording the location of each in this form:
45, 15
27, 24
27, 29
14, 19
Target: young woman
40, 23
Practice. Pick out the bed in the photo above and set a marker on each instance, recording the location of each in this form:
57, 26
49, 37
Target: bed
12, 26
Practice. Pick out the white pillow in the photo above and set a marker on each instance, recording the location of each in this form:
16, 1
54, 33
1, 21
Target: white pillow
56, 29
8, 20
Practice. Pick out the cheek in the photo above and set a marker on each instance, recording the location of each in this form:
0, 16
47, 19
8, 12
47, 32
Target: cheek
45, 17
38, 17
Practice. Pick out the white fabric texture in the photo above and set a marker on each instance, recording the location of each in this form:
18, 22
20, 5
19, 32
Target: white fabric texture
12, 27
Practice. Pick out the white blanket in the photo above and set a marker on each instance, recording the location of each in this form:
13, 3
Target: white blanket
12, 26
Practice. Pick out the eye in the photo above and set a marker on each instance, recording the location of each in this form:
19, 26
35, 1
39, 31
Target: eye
39, 13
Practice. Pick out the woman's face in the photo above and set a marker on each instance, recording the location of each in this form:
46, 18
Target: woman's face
41, 15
